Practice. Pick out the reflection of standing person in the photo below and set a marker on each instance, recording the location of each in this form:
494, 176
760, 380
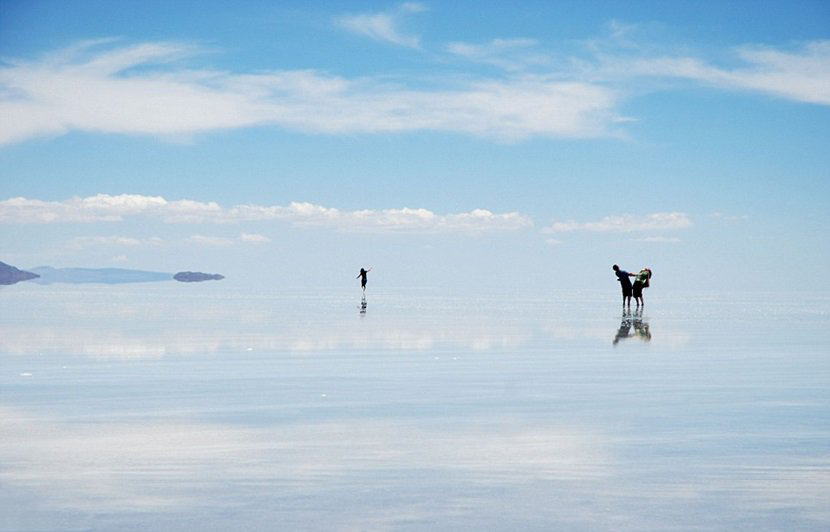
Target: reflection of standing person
363, 277
625, 328
625, 283
641, 329
641, 281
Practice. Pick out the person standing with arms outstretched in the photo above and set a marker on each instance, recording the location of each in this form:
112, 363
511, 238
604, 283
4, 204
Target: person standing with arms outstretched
625, 283
363, 277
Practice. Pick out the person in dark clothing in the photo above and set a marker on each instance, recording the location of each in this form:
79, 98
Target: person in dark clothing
625, 283
363, 277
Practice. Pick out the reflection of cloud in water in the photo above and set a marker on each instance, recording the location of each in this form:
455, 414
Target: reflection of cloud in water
103, 343
805, 486
135, 465
120, 326
131, 324
179, 465
150, 342
99, 344
416, 337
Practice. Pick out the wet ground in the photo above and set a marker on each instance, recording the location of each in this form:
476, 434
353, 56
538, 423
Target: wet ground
168, 406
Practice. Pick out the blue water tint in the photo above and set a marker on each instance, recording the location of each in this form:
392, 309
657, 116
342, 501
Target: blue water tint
202, 407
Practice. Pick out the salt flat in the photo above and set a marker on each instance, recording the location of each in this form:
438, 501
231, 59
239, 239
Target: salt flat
212, 407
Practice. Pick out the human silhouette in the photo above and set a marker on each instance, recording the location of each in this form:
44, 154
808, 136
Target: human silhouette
625, 284
641, 281
363, 277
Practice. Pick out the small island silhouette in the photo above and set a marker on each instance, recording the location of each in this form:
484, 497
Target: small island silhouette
197, 277
48, 275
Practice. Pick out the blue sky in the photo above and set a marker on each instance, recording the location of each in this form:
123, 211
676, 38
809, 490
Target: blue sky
463, 144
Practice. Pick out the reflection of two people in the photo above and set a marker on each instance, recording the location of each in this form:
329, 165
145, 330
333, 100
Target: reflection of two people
635, 321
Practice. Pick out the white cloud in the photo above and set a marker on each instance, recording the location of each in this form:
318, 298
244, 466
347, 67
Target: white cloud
105, 208
82, 242
87, 89
99, 208
658, 239
254, 238
203, 240
729, 217
146, 89
509, 54
401, 220
626, 223
801, 74
384, 26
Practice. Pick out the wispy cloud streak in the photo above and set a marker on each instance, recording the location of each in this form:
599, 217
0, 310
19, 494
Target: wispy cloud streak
83, 242
147, 89
142, 89
800, 74
509, 54
384, 26
626, 223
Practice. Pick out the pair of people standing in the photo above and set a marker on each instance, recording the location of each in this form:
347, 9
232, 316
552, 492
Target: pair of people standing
641, 281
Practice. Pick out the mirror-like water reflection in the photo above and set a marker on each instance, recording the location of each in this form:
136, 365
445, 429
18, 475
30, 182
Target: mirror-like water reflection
125, 407
636, 322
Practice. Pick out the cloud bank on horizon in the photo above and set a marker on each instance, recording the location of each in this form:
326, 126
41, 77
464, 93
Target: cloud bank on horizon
111, 209
108, 208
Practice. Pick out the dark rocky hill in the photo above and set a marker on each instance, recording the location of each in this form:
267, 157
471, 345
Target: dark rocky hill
11, 275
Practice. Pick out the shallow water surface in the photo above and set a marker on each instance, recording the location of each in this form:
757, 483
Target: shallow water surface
159, 407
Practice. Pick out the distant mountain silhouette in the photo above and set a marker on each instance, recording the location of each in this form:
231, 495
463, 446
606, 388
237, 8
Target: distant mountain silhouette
11, 275
197, 277
50, 275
